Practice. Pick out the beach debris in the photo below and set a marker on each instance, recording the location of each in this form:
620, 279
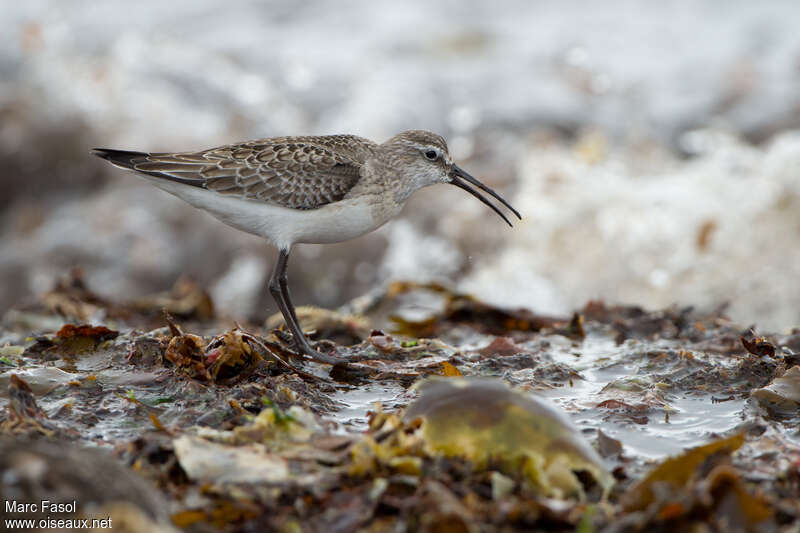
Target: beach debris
185, 300
781, 398
698, 486
756, 345
24, 416
212, 462
319, 323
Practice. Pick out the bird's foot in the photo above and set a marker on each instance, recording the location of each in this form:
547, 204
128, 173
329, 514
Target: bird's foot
316, 355
342, 370
303, 347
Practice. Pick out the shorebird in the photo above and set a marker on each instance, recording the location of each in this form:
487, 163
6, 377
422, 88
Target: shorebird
315, 190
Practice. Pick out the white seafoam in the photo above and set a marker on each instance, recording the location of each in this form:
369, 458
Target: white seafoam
607, 230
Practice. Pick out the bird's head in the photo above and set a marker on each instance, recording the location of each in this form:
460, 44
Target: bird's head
424, 160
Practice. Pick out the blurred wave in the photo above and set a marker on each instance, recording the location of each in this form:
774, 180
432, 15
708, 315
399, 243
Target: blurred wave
647, 145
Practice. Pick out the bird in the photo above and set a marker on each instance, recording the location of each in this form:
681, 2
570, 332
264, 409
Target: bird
305, 189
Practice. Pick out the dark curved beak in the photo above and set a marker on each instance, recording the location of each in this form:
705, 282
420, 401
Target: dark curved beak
459, 177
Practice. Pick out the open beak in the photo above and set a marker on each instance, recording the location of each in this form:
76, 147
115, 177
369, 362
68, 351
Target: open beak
459, 178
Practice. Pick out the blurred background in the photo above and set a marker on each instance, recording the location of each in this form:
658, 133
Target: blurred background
653, 148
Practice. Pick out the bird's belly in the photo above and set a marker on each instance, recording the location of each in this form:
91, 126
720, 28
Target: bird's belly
337, 222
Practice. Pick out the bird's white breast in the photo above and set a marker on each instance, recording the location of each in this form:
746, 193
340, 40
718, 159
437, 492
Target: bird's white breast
336, 222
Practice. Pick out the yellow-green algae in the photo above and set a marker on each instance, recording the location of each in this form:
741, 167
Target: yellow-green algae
489, 424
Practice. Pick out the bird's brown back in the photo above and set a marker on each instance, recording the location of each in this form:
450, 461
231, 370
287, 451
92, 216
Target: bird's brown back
294, 172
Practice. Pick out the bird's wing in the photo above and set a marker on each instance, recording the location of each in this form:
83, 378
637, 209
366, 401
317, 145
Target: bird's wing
293, 172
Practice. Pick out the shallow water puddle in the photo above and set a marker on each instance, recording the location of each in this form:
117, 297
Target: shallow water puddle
687, 418
359, 400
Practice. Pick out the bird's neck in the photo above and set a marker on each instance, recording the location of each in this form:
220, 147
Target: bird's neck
386, 180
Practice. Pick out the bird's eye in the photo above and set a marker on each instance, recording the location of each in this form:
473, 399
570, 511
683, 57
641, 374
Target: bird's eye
432, 155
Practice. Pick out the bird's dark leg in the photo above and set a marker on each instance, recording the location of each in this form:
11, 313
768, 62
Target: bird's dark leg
283, 283
279, 288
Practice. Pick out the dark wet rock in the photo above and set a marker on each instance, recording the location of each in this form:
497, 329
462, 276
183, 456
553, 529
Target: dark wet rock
32, 471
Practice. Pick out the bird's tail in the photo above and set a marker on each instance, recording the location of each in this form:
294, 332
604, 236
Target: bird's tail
183, 172
120, 158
